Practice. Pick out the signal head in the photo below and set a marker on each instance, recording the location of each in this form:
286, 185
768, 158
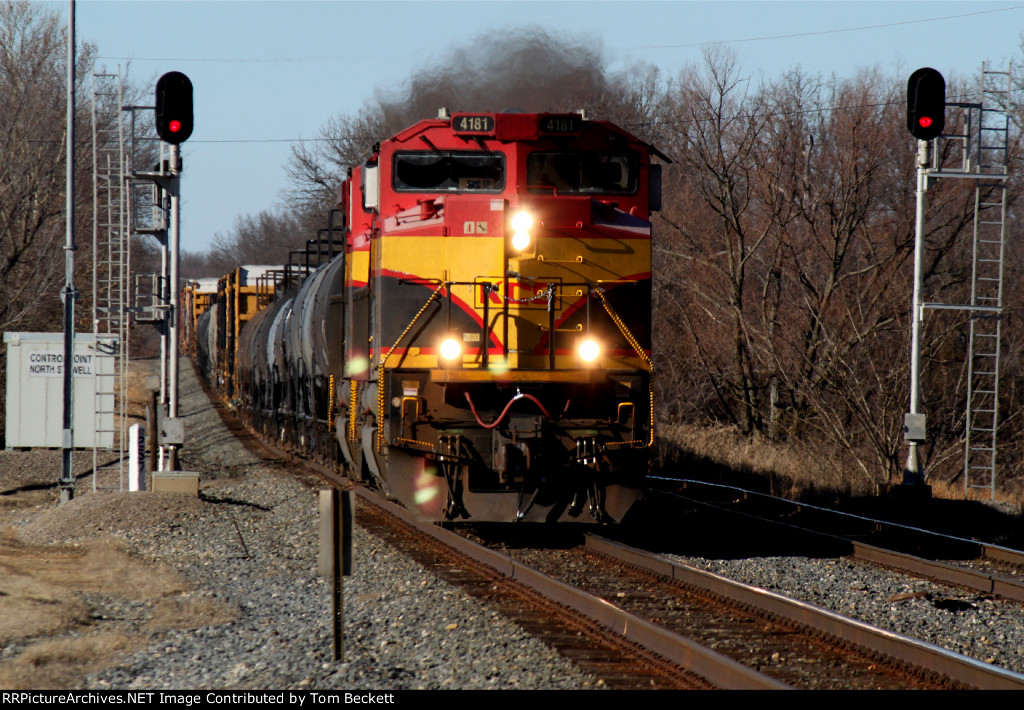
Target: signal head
174, 107
926, 104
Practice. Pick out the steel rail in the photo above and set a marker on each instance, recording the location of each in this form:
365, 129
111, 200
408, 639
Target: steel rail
710, 665
977, 580
986, 549
919, 653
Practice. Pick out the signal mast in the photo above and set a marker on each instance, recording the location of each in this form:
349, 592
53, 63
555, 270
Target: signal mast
926, 118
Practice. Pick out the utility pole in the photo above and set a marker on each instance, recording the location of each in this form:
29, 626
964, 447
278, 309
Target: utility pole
69, 293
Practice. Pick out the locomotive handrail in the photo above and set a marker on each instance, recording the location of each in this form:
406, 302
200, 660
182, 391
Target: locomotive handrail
639, 351
550, 294
384, 360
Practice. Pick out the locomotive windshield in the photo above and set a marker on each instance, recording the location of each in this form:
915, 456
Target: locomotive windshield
568, 173
435, 171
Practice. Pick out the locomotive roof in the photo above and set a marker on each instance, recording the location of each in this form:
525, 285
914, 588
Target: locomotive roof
517, 127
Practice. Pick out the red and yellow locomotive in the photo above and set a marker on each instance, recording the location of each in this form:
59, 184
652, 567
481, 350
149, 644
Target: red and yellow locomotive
478, 343
497, 305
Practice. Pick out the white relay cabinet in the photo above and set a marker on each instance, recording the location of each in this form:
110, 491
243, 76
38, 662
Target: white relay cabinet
35, 390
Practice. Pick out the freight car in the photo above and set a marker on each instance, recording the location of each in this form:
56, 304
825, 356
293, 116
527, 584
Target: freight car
473, 334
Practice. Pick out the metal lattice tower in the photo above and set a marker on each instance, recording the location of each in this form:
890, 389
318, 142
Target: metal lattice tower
111, 264
981, 153
988, 252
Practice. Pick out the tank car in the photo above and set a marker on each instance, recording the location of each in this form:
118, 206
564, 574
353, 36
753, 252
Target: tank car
479, 347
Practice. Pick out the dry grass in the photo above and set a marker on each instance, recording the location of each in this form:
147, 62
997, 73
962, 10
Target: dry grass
33, 606
728, 447
41, 585
66, 562
138, 394
1013, 497
189, 612
27, 499
42, 605
781, 469
59, 663
95, 564
789, 469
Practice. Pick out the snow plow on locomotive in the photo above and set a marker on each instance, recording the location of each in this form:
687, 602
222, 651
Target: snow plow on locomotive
474, 335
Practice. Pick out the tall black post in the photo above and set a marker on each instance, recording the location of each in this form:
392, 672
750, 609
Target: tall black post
69, 294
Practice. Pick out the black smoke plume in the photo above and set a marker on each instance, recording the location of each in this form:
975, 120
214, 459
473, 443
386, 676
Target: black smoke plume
524, 69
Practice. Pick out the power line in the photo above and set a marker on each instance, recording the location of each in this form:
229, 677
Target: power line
232, 60
768, 113
267, 140
827, 32
242, 60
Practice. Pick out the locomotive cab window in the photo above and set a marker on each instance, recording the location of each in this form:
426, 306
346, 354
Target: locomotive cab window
568, 173
435, 171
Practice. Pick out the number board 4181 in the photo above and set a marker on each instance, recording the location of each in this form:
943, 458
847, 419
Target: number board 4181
565, 124
467, 123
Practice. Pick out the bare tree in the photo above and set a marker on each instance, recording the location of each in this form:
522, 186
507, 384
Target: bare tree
785, 260
717, 225
32, 173
783, 254
316, 170
265, 238
33, 61
31, 164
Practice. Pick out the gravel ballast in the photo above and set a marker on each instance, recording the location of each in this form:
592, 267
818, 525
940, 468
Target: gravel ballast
973, 624
248, 549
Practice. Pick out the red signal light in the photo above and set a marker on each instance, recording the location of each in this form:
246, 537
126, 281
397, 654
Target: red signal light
926, 104
174, 108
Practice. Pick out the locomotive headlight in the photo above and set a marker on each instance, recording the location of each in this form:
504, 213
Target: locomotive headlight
450, 349
589, 350
521, 224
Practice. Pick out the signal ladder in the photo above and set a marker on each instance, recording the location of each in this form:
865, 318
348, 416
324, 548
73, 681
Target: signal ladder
111, 263
984, 150
982, 420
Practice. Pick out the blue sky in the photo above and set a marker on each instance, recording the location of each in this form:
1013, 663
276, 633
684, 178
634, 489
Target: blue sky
267, 73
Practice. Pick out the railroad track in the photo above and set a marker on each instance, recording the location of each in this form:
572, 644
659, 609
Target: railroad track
918, 660
620, 664
732, 635
605, 628
611, 656
979, 566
